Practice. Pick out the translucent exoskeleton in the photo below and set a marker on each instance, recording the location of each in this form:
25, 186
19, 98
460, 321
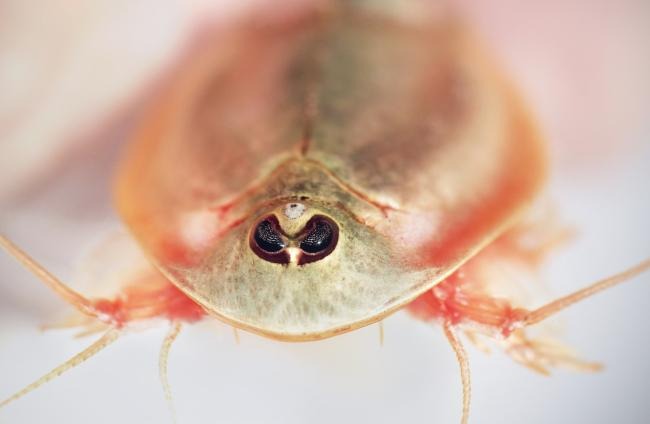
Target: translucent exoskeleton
305, 177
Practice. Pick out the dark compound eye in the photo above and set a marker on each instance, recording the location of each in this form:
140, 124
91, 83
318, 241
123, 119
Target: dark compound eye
267, 237
267, 243
320, 239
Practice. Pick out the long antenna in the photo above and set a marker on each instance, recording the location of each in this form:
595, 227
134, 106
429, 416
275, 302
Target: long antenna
84, 305
162, 365
109, 337
463, 362
540, 314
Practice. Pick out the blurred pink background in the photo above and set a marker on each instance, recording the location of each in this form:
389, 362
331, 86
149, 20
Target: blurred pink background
73, 76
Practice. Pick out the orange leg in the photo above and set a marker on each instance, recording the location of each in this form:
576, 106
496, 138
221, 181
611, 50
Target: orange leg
481, 303
455, 304
451, 302
463, 362
151, 296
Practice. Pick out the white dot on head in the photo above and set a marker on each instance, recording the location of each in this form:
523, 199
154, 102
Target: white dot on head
294, 210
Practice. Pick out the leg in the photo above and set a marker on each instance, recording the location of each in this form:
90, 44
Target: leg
458, 301
109, 337
82, 304
461, 356
162, 363
148, 297
540, 314
541, 354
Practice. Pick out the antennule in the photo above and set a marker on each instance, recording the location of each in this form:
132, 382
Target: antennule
84, 305
109, 337
540, 314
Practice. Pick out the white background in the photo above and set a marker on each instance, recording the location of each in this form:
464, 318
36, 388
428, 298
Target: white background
583, 67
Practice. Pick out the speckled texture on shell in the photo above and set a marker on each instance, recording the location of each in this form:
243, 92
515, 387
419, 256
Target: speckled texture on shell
402, 133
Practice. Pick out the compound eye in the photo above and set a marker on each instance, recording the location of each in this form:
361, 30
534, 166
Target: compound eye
267, 242
320, 239
267, 237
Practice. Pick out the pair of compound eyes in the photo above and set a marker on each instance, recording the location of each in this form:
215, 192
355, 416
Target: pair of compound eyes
317, 240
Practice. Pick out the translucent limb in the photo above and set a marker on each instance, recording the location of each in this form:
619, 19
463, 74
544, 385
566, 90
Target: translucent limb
542, 354
91, 329
109, 337
151, 295
463, 362
162, 364
381, 333
474, 339
84, 305
71, 321
540, 314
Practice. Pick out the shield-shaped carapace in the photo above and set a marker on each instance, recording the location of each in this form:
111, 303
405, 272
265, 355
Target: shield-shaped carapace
309, 179
304, 177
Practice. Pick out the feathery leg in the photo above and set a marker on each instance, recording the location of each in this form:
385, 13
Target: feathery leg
540, 314
109, 337
463, 362
84, 305
162, 364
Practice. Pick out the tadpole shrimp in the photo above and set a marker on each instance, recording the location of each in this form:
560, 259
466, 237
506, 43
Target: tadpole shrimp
279, 201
